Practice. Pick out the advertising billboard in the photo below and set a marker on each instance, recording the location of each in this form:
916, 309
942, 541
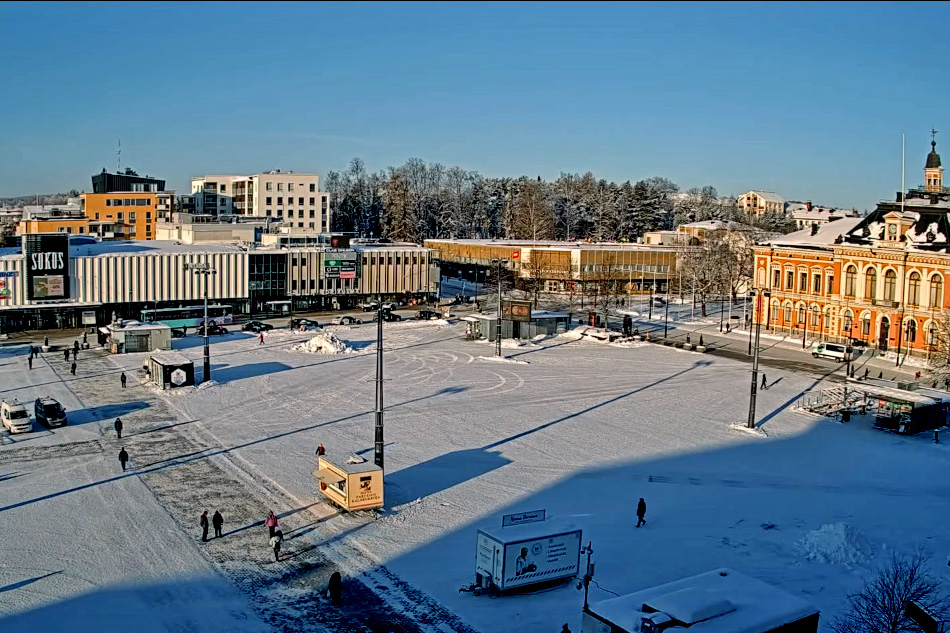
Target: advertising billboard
516, 310
537, 560
47, 266
339, 264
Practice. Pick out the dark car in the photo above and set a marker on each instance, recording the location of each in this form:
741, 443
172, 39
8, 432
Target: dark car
374, 306
428, 315
178, 332
256, 326
387, 316
307, 323
213, 328
49, 412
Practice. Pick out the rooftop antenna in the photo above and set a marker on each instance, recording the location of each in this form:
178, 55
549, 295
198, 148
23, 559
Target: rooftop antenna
118, 158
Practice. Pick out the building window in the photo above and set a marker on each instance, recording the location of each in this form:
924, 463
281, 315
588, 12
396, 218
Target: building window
815, 316
890, 284
801, 314
118, 216
82, 230
324, 203
300, 213
269, 186
830, 285
850, 274
936, 291
313, 187
97, 215
148, 215
789, 280
132, 230
280, 186
311, 225
131, 216
846, 324
913, 289
788, 313
911, 331
313, 201
290, 186
816, 283
932, 335
803, 282
870, 284
280, 200
148, 230
776, 278
311, 213
299, 225
224, 188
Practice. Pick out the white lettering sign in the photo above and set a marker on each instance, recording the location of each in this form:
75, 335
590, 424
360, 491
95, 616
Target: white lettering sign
46, 261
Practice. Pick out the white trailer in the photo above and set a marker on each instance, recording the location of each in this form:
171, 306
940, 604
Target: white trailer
719, 601
521, 555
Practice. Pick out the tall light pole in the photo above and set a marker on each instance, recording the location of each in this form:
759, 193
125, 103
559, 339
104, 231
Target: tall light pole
755, 358
666, 316
378, 445
204, 270
498, 263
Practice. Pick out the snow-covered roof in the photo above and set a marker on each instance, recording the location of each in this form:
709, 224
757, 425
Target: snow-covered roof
758, 606
818, 213
716, 225
768, 196
170, 358
529, 531
825, 236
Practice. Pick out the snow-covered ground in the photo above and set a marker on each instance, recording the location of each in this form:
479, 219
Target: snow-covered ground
577, 427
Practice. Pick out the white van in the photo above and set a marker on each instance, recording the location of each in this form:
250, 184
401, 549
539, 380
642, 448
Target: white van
15, 417
834, 351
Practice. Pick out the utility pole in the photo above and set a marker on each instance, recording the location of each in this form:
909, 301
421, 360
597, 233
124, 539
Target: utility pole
498, 263
755, 358
589, 575
666, 316
378, 446
204, 270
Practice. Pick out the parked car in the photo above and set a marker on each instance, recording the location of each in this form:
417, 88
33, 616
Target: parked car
49, 412
428, 315
178, 332
346, 320
834, 351
15, 417
307, 323
256, 326
373, 306
213, 328
387, 316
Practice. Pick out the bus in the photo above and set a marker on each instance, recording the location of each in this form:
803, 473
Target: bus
189, 316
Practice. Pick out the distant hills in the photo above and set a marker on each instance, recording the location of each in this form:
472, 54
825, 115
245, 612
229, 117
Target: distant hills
42, 198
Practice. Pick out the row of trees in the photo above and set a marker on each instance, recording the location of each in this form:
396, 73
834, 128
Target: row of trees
420, 200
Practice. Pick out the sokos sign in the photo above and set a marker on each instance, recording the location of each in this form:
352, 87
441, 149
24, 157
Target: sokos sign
47, 266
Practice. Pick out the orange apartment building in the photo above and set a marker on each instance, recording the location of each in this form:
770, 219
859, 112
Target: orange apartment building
878, 280
71, 225
126, 215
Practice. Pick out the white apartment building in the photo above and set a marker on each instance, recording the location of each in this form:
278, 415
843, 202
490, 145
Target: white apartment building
759, 203
293, 199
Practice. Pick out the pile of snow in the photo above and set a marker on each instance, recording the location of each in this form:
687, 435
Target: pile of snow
324, 343
511, 343
504, 359
630, 343
836, 543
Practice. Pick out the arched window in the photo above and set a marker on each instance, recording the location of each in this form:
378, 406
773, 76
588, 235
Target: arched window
932, 334
846, 323
815, 316
913, 289
911, 331
850, 275
801, 314
870, 284
890, 284
775, 314
866, 325
936, 291
788, 313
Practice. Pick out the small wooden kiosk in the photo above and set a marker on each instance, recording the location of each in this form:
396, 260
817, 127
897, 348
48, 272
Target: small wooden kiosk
352, 486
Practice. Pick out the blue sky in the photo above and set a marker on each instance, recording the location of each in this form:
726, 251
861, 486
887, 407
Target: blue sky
807, 100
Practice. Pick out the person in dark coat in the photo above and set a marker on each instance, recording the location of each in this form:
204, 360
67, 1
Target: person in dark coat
564, 629
123, 379
641, 512
76, 354
335, 588
72, 368
765, 383
118, 428
218, 522
321, 451
85, 339
123, 458
203, 522
75, 346
45, 341
30, 360
66, 354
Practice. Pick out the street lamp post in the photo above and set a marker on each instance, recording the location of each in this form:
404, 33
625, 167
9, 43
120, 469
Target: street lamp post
205, 270
666, 316
498, 263
378, 440
764, 294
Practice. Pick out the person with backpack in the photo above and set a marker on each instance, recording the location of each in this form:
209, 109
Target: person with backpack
218, 522
123, 458
275, 542
123, 379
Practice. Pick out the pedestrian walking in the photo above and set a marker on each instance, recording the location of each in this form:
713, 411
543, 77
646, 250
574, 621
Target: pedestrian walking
118, 428
45, 341
123, 458
75, 353
765, 383
271, 523
84, 338
321, 451
687, 338
76, 345
275, 542
641, 512
66, 355
880, 374
866, 371
701, 344
917, 376
30, 361
218, 522
203, 522
72, 368
123, 379
335, 588
260, 338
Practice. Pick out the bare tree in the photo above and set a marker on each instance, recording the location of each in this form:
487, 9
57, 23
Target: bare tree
880, 607
939, 343
605, 283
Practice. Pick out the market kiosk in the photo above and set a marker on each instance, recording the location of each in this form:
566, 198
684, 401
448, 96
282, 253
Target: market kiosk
355, 484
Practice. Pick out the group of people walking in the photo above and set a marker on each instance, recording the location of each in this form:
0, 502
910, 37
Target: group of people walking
217, 521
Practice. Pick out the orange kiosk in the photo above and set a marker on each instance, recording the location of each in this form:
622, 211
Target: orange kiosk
352, 485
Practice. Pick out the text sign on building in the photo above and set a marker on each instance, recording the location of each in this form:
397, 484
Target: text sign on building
535, 516
516, 310
339, 264
8, 273
47, 266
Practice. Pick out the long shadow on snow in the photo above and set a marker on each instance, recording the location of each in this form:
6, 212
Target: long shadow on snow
104, 412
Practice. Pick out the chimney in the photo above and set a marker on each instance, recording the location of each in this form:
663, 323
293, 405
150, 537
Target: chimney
808, 205
900, 196
814, 228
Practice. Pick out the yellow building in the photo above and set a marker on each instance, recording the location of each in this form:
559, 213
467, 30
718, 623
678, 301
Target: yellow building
73, 226
759, 203
126, 215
